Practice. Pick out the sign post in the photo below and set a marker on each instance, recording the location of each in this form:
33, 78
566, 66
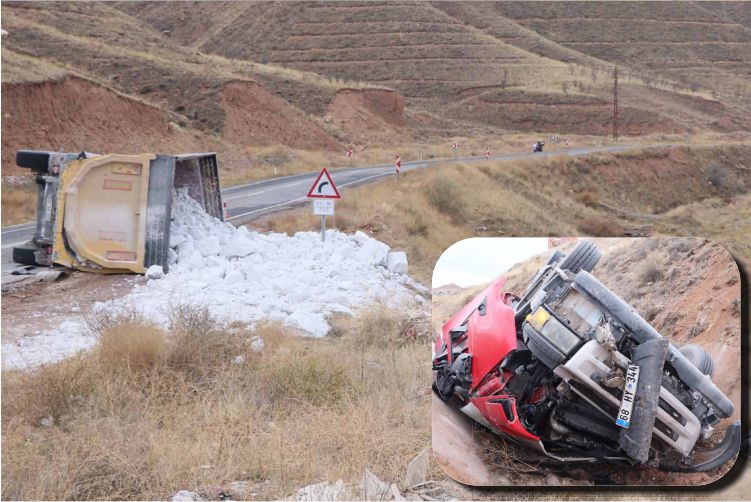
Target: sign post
323, 192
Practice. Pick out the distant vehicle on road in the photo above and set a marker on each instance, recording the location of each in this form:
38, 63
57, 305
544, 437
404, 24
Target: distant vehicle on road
537, 147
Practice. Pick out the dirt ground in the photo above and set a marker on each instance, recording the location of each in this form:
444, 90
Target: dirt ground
24, 314
368, 115
254, 116
688, 289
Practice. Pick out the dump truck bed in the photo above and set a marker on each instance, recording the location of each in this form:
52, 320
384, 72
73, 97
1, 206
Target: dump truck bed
112, 213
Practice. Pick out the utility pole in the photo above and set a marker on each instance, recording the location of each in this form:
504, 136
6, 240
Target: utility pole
615, 104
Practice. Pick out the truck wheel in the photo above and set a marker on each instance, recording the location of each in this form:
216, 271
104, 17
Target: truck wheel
24, 254
33, 159
584, 257
699, 358
555, 257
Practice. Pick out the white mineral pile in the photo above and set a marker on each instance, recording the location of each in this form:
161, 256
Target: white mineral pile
249, 276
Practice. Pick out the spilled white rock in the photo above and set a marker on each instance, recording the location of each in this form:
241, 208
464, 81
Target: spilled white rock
257, 344
324, 491
186, 496
154, 272
244, 276
50, 346
396, 263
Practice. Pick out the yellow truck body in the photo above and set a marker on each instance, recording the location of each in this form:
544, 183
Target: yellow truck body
112, 213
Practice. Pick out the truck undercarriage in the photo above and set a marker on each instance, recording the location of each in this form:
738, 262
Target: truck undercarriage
573, 371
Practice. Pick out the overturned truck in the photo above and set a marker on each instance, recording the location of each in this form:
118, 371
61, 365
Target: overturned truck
112, 213
573, 371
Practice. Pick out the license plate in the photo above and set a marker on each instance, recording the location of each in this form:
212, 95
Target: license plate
629, 394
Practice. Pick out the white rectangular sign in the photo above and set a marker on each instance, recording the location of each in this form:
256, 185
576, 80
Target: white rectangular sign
323, 207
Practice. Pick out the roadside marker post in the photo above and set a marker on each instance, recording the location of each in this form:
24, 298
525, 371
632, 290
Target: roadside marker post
398, 166
323, 192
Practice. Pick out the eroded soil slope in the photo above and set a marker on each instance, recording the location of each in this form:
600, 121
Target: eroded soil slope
74, 114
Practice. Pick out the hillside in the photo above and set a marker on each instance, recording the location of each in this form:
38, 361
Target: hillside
281, 88
236, 77
683, 65
701, 46
606, 195
56, 55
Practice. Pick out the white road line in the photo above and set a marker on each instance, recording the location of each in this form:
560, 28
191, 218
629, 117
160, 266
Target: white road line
412, 164
6, 246
259, 192
30, 227
266, 208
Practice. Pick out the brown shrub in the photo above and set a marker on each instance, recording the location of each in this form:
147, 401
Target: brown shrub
600, 226
445, 196
588, 198
651, 269
132, 346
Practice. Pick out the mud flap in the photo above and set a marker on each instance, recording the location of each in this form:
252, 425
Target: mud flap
159, 212
637, 439
706, 459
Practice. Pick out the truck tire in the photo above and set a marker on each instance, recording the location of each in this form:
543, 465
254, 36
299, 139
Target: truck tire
555, 257
584, 257
699, 358
24, 254
33, 159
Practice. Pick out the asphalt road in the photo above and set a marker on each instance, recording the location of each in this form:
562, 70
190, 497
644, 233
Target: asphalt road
246, 202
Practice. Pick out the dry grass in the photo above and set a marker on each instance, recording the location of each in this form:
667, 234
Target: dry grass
651, 269
149, 412
540, 197
18, 68
18, 204
444, 195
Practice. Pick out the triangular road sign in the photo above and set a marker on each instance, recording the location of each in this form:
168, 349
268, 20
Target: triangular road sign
324, 187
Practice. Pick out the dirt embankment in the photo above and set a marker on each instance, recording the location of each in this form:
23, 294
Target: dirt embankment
368, 115
253, 116
689, 290
656, 180
75, 114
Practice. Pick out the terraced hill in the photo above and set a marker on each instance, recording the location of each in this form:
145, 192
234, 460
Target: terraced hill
72, 70
685, 66
319, 76
699, 46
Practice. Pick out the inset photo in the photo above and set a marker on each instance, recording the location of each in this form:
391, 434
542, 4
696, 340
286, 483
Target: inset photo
583, 361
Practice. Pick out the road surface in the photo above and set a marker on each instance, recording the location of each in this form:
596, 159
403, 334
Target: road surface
249, 201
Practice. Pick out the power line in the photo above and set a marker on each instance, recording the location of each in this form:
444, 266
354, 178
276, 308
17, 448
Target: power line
615, 103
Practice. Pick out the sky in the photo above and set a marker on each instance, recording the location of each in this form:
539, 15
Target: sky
481, 259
